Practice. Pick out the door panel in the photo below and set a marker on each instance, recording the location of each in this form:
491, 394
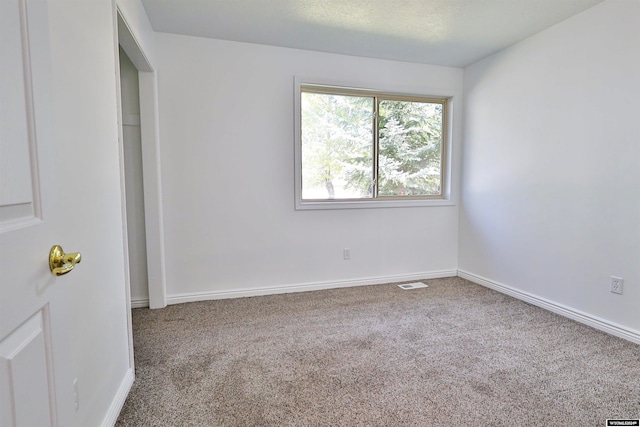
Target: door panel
26, 382
18, 158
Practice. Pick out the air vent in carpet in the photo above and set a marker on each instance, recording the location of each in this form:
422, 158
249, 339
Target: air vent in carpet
414, 285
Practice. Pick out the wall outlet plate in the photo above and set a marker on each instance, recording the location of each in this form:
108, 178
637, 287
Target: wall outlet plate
617, 284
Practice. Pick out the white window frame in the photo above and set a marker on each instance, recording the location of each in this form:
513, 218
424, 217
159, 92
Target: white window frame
300, 204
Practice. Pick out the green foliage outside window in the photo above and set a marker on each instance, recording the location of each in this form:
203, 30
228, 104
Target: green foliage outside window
409, 159
343, 157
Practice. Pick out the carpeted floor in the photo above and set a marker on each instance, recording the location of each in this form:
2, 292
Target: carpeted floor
454, 353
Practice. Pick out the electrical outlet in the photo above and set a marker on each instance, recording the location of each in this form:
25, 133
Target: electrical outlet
616, 284
76, 400
346, 254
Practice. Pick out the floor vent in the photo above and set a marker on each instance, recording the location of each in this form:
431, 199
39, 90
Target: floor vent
414, 285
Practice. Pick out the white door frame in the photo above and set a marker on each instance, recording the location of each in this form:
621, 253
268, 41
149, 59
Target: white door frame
150, 163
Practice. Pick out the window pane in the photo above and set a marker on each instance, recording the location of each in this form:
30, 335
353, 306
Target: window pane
337, 146
410, 148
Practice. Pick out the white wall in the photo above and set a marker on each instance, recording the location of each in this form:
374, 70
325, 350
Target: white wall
132, 147
551, 164
226, 123
84, 113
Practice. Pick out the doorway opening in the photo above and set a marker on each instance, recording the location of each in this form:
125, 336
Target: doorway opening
134, 184
140, 172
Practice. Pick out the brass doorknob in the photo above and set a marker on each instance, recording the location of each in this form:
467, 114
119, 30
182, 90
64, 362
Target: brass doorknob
61, 263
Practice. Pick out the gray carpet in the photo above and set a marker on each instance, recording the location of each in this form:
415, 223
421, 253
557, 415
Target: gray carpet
454, 353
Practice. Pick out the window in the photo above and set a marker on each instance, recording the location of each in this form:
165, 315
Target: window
358, 146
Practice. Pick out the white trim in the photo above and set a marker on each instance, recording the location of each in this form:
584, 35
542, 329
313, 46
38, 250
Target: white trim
303, 287
579, 316
123, 198
130, 45
118, 400
139, 302
370, 204
152, 180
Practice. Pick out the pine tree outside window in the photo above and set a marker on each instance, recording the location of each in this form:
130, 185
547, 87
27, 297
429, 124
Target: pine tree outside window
358, 145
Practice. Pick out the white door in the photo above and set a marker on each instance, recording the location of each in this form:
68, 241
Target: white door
33, 341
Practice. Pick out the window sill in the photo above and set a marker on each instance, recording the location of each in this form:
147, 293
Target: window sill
370, 204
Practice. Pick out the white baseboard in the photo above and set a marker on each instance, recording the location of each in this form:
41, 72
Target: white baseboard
303, 287
118, 401
139, 302
579, 316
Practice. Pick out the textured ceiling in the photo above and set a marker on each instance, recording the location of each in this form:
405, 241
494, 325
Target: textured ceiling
440, 32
